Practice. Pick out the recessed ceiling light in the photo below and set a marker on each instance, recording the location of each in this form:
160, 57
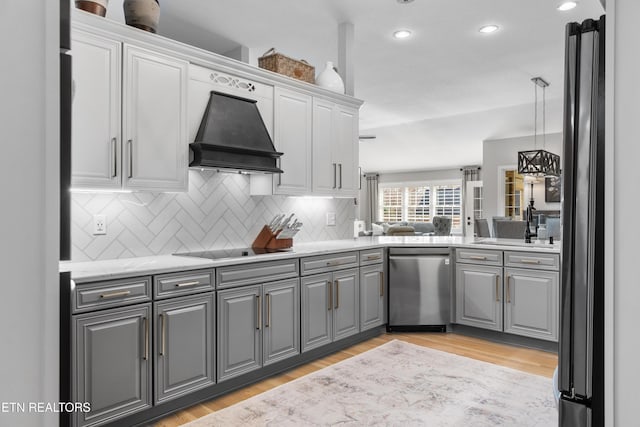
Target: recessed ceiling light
489, 29
402, 34
568, 5
405, 1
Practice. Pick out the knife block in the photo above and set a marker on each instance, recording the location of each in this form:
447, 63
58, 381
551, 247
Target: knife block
267, 240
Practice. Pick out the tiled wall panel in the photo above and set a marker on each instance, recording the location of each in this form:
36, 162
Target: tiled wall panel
216, 213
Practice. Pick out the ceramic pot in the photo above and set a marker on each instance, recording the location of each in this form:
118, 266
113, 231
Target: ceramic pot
98, 7
143, 14
330, 79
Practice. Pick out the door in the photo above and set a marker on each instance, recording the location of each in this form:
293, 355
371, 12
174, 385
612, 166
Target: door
345, 150
154, 121
281, 333
184, 333
316, 310
372, 294
473, 206
111, 363
531, 303
325, 170
239, 331
292, 129
346, 303
96, 137
479, 296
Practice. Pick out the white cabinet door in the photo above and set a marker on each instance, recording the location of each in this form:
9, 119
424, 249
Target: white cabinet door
154, 121
96, 134
346, 303
531, 303
292, 129
325, 173
372, 294
479, 296
345, 150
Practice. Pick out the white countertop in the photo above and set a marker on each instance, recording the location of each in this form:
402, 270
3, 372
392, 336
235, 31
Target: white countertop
88, 271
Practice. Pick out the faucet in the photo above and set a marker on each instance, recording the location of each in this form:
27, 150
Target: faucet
529, 218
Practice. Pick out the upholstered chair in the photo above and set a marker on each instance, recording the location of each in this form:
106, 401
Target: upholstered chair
442, 225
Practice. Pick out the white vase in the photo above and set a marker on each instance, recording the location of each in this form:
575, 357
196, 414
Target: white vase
329, 79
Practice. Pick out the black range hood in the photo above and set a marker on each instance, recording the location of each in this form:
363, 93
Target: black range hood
232, 136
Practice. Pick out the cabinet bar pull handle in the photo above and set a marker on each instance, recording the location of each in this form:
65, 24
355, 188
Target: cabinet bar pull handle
259, 311
497, 288
372, 257
146, 338
508, 289
130, 143
115, 294
480, 258
335, 179
382, 283
340, 167
163, 333
332, 263
530, 261
182, 285
337, 294
330, 300
114, 151
268, 321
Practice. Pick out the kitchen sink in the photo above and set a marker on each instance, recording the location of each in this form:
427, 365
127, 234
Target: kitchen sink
515, 242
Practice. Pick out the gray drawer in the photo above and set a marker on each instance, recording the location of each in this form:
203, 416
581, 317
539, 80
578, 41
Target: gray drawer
372, 256
479, 256
112, 293
183, 283
536, 260
324, 263
258, 272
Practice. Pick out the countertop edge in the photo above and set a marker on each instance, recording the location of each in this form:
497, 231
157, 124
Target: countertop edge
92, 271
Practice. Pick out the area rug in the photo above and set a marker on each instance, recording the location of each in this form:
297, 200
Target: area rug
400, 384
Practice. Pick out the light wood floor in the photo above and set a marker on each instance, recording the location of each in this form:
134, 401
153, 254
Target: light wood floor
524, 359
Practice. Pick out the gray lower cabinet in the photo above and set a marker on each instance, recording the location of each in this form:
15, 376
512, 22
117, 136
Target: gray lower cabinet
184, 351
111, 363
372, 294
330, 307
257, 325
531, 303
479, 296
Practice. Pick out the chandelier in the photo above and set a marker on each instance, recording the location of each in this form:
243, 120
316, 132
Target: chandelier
539, 162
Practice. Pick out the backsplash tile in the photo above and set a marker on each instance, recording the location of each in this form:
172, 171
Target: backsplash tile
216, 213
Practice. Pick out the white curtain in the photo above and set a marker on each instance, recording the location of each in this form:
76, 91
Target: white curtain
469, 173
371, 208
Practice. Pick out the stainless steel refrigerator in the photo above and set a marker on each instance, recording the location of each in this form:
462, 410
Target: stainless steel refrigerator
581, 355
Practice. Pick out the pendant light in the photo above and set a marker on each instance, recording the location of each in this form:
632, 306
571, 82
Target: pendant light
539, 162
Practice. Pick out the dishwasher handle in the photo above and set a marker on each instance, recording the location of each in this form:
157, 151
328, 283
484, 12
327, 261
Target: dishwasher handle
401, 252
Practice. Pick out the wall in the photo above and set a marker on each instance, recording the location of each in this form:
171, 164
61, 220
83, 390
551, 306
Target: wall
497, 153
216, 213
622, 219
29, 215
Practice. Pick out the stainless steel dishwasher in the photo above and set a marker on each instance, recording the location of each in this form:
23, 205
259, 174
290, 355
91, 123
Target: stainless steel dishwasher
419, 289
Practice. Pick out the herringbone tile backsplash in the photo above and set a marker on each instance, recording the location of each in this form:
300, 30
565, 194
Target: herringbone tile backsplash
216, 213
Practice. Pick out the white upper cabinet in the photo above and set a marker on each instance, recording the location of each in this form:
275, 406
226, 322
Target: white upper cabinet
292, 129
129, 117
154, 121
335, 149
96, 134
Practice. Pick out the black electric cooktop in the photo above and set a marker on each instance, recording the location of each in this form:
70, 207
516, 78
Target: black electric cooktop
229, 253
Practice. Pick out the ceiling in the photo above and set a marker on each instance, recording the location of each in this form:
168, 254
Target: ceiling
431, 99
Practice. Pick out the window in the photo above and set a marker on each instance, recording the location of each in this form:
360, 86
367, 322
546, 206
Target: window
421, 202
448, 203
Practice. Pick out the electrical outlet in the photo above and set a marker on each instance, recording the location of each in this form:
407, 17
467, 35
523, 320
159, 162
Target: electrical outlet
99, 225
331, 218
